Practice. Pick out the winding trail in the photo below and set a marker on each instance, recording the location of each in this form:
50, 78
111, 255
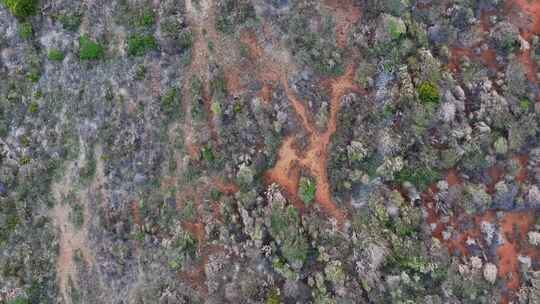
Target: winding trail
286, 171
272, 68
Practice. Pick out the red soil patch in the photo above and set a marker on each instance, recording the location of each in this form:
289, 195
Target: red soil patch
196, 229
227, 188
451, 178
521, 176
286, 172
135, 212
529, 65
346, 14
249, 39
509, 251
266, 93
487, 57
495, 173
513, 225
527, 26
233, 79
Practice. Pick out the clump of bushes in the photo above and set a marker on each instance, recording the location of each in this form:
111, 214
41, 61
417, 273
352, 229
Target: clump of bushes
21, 8
316, 49
233, 14
284, 227
306, 190
421, 177
25, 30
89, 50
55, 55
18, 300
138, 45
428, 93
170, 103
145, 18
70, 22
207, 154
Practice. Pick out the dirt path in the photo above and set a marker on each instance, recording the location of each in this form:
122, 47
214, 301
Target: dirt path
71, 238
200, 18
272, 71
272, 67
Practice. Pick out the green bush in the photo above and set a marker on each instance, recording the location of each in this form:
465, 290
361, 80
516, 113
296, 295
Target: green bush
524, 105
145, 18
284, 226
207, 154
138, 45
18, 300
169, 102
89, 50
428, 93
25, 30
33, 107
77, 215
70, 22
232, 14
306, 190
140, 72
21, 8
55, 55
273, 297
421, 177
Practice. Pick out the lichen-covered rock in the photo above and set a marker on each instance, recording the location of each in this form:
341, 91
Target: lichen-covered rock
490, 272
534, 238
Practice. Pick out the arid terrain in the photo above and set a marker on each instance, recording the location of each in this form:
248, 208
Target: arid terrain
269, 151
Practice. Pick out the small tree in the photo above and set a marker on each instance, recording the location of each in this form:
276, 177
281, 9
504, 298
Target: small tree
21, 8
306, 190
428, 93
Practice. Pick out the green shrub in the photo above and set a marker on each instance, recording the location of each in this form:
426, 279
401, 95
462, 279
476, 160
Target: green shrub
184, 249
21, 8
421, 177
145, 18
284, 226
70, 22
306, 190
428, 93
207, 154
170, 104
89, 50
33, 76
273, 297
18, 300
77, 215
232, 14
55, 55
88, 171
140, 72
138, 45
524, 105
33, 107
394, 30
25, 30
